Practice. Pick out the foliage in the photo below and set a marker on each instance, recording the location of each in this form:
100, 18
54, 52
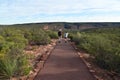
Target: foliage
103, 44
23, 65
52, 34
13, 40
7, 68
39, 37
10, 66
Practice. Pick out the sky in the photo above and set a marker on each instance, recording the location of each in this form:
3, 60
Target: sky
34, 11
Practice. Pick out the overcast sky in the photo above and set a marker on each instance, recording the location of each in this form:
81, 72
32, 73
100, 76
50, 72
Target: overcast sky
27, 11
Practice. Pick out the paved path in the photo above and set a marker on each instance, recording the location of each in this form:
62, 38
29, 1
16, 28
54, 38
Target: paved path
64, 64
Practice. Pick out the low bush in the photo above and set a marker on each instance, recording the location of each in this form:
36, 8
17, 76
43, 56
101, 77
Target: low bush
52, 34
37, 37
103, 45
13, 41
7, 68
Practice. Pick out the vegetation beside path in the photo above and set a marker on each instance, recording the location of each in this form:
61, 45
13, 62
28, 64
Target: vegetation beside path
103, 44
13, 41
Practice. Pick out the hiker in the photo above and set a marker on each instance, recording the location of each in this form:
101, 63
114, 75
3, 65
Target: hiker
60, 34
66, 36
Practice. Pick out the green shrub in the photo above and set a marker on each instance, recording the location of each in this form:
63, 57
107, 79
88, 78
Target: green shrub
13, 40
75, 37
7, 68
103, 45
23, 65
39, 37
11, 67
52, 34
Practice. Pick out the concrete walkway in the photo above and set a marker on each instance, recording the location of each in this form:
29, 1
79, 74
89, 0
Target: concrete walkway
64, 64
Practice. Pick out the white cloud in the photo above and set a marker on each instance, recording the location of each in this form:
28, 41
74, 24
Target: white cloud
86, 8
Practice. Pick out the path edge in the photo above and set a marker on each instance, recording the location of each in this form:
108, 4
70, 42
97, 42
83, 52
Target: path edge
88, 65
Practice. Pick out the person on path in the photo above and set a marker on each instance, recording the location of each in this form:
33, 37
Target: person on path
60, 34
66, 36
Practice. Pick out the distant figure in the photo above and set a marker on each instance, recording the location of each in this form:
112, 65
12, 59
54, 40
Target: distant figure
66, 36
60, 34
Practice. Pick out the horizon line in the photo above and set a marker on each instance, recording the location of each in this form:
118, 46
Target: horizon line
58, 22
